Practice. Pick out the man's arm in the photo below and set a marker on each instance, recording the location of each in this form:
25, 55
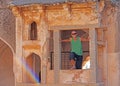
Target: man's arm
84, 39
66, 40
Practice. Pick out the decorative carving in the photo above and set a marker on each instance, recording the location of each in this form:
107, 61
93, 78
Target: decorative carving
82, 17
29, 17
7, 26
67, 7
31, 14
16, 11
44, 37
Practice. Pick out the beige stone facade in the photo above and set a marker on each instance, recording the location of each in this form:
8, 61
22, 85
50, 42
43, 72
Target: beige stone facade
35, 30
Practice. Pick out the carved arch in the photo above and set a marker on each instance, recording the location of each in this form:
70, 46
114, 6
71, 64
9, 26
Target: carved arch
33, 31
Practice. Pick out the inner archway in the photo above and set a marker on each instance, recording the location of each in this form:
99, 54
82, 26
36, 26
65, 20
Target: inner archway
34, 64
6, 65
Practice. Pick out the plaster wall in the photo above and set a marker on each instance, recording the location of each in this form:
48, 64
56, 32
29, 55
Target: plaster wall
70, 76
110, 19
113, 69
6, 66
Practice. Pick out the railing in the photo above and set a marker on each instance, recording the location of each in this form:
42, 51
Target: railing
65, 63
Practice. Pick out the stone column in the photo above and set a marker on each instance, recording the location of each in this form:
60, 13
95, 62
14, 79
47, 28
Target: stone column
45, 61
44, 36
18, 54
93, 54
19, 48
44, 69
57, 55
105, 62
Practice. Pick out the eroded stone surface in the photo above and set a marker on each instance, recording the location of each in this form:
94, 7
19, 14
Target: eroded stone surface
62, 15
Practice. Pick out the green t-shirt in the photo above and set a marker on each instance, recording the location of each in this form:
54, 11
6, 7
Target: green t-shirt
76, 46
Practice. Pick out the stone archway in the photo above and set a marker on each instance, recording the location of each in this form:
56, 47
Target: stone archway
6, 65
33, 62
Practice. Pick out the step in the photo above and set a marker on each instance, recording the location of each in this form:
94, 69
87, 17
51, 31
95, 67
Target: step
74, 84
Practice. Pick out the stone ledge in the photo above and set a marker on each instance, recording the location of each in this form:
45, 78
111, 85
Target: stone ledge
76, 84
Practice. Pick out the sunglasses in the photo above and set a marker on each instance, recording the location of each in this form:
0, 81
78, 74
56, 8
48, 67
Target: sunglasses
74, 33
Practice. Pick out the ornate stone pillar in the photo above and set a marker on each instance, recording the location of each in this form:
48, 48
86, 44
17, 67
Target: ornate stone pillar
45, 61
44, 71
18, 57
44, 42
57, 55
93, 54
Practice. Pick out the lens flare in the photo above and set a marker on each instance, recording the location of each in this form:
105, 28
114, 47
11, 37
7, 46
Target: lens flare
33, 76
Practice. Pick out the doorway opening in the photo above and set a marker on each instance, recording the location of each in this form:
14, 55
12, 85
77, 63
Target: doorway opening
33, 62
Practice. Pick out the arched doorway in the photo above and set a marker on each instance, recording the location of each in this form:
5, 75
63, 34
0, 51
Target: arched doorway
6, 65
33, 75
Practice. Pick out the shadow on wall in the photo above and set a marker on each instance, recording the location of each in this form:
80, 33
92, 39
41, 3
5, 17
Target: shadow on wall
6, 65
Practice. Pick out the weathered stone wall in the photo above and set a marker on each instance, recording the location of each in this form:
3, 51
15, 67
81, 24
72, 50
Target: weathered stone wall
78, 15
118, 28
110, 20
7, 34
6, 66
81, 16
7, 23
70, 76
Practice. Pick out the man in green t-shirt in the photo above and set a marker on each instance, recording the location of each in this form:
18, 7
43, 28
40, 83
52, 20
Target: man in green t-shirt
76, 54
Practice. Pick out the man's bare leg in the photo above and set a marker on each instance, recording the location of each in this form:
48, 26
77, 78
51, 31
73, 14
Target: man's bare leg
72, 61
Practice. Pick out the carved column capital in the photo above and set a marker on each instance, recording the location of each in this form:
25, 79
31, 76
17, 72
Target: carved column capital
16, 11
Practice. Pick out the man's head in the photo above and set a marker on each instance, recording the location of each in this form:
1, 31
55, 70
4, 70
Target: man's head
73, 33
